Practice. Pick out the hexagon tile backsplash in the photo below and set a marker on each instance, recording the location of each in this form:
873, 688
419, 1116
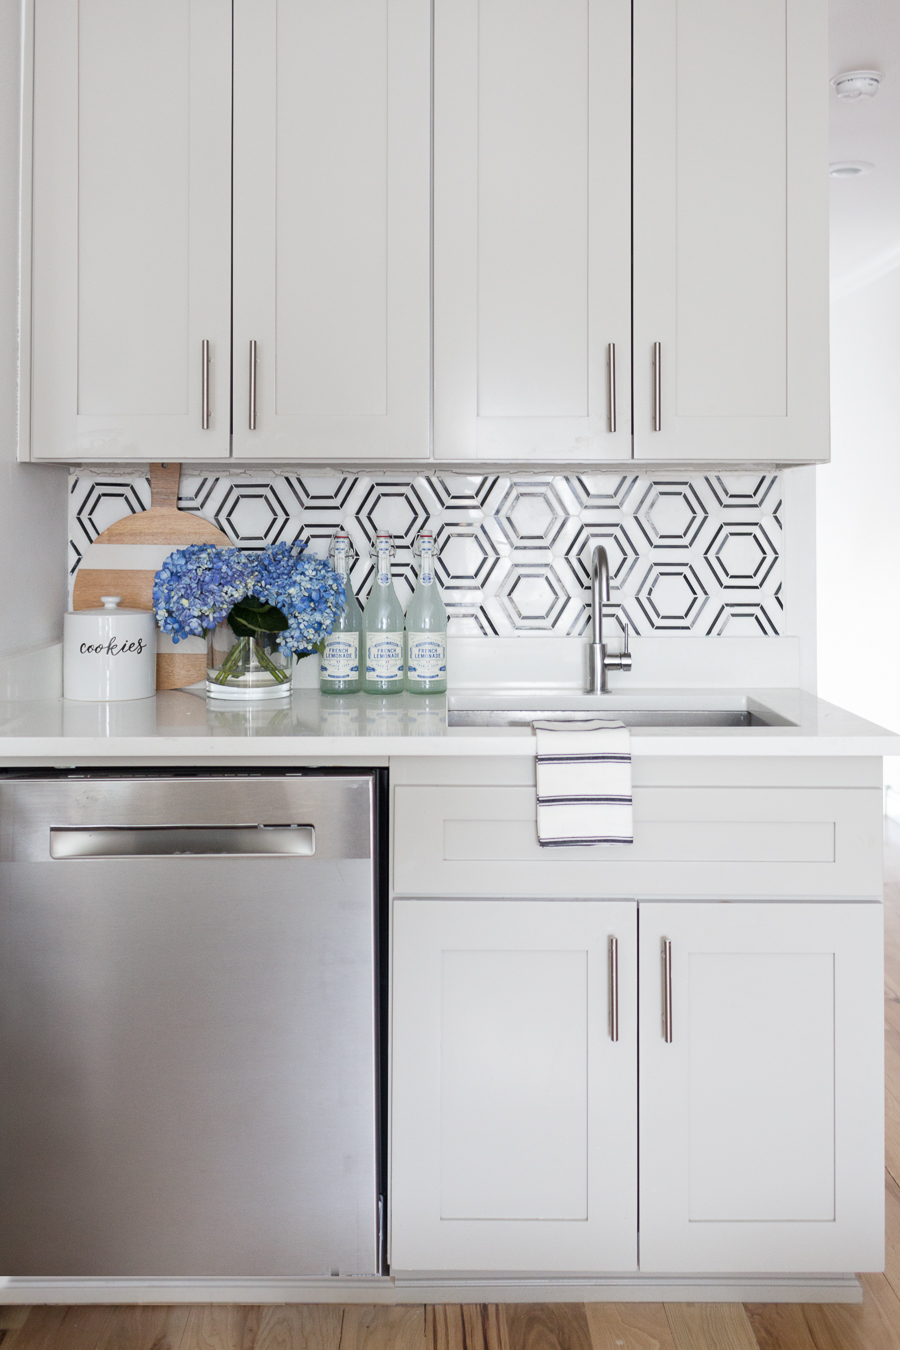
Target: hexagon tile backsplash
696, 554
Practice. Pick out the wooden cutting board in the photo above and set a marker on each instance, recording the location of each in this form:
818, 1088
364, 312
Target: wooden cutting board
124, 559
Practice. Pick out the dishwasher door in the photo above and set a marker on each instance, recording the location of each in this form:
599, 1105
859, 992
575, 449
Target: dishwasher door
188, 1026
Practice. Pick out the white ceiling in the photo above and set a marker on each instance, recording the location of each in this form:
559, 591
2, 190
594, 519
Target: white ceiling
865, 211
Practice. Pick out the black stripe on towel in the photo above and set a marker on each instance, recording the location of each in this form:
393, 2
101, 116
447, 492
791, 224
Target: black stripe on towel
611, 799
592, 839
590, 759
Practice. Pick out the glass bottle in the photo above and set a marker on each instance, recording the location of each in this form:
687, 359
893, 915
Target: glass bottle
383, 628
340, 673
426, 629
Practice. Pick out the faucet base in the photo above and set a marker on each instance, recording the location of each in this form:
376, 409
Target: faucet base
597, 668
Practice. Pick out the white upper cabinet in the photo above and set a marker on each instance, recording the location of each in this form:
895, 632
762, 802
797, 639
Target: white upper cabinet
131, 240
533, 219
762, 1141
331, 228
262, 182
532, 270
730, 230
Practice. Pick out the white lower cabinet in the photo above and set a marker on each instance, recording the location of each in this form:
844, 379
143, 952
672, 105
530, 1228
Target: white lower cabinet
514, 1112
762, 1144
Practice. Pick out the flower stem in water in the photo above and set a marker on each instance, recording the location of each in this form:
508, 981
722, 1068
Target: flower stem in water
242, 652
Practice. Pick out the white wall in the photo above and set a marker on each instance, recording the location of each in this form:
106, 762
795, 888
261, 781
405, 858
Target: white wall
859, 510
799, 585
32, 498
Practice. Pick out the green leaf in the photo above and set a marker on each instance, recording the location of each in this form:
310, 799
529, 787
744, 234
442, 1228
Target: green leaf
251, 616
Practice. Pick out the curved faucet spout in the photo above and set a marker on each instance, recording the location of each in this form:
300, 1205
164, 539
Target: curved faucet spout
599, 591
598, 661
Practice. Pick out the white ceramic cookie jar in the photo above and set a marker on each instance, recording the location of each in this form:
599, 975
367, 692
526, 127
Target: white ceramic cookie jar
109, 653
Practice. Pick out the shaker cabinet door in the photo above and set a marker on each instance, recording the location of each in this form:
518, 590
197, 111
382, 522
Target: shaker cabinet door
514, 1134
532, 221
731, 230
761, 1088
130, 231
331, 228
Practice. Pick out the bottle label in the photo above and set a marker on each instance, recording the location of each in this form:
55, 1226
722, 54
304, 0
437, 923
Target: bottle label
426, 574
427, 656
384, 656
340, 659
340, 557
384, 564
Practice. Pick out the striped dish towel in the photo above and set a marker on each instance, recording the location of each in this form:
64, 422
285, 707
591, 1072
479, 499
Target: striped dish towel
583, 783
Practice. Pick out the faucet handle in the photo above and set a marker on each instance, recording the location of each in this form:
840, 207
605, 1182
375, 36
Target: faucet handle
623, 660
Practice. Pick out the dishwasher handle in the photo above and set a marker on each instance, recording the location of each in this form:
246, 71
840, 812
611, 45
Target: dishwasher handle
182, 841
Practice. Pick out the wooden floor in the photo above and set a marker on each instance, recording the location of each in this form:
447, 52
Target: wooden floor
515, 1326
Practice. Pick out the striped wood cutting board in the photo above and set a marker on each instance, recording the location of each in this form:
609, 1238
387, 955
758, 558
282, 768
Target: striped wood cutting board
124, 559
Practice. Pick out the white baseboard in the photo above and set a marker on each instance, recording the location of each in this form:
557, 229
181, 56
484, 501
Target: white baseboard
632, 1289
441, 1289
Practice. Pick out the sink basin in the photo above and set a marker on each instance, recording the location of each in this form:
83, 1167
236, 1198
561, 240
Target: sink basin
646, 712
632, 717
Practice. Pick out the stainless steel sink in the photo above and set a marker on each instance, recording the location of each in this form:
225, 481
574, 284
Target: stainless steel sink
632, 717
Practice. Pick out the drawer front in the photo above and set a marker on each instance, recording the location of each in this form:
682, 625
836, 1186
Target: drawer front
467, 840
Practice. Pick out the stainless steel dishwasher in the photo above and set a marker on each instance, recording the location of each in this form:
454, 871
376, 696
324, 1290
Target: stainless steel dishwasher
189, 1024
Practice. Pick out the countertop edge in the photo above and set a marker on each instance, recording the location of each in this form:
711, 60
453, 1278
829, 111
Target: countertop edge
50, 750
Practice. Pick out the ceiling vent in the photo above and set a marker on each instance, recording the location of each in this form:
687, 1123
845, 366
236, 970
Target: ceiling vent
853, 84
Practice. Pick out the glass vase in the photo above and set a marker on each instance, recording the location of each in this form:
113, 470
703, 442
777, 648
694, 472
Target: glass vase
246, 667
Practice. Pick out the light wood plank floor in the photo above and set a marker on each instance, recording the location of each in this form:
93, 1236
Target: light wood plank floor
562, 1326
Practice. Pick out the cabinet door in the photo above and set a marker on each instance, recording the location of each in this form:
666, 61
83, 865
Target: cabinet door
532, 219
131, 235
331, 228
731, 229
513, 1109
762, 1138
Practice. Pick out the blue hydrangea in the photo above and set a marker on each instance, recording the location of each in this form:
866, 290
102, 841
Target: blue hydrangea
308, 592
197, 586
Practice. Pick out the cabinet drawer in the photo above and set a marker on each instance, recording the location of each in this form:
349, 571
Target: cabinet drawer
687, 842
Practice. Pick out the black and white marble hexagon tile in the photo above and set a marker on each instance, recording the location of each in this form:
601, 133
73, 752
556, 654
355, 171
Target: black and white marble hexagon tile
689, 554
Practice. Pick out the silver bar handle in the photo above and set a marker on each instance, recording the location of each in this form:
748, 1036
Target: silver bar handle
613, 989
657, 386
204, 385
252, 419
611, 383
667, 990
185, 841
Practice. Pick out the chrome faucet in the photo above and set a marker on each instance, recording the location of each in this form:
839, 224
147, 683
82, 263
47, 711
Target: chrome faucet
600, 663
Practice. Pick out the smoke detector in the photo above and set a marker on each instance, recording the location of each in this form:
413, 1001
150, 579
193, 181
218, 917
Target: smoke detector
850, 168
853, 84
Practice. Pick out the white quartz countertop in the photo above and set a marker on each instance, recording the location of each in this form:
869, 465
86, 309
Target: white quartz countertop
181, 727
